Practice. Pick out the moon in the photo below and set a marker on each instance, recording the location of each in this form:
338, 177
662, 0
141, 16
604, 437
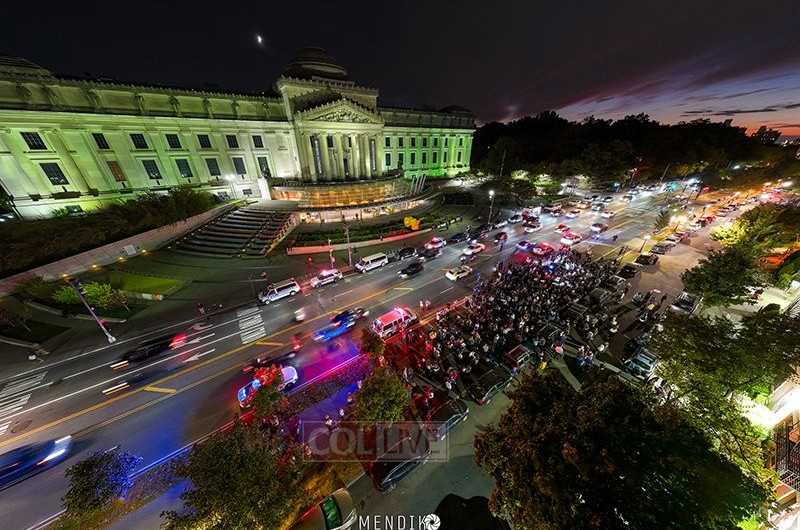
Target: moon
259, 39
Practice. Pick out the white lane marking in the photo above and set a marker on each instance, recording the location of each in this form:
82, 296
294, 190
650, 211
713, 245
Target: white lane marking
115, 388
247, 311
12, 405
198, 339
453, 287
4, 427
125, 374
196, 356
250, 322
200, 326
21, 385
253, 334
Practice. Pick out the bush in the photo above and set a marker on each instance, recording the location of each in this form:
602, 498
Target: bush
37, 289
95, 481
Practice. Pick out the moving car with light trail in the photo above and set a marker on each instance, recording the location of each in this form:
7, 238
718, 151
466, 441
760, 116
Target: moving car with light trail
23, 462
332, 331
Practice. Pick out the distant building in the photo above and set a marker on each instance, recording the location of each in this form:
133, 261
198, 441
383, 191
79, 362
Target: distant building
316, 138
766, 136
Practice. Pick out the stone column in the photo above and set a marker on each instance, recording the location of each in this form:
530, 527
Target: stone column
312, 164
337, 145
379, 157
355, 157
363, 148
326, 159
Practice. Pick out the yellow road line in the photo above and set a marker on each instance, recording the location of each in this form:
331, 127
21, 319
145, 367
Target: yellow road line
268, 343
160, 389
183, 372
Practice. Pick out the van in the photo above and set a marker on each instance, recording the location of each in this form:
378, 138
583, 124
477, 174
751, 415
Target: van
393, 322
371, 262
276, 292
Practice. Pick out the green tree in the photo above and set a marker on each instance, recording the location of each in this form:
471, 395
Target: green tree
383, 397
239, 479
711, 362
662, 220
607, 457
757, 229
66, 295
371, 344
723, 277
96, 480
267, 396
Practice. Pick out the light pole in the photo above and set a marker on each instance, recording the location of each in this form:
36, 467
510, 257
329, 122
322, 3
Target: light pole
491, 204
330, 252
81, 292
645, 239
230, 179
349, 250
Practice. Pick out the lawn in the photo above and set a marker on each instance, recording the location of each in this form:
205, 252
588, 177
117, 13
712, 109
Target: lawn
37, 331
136, 283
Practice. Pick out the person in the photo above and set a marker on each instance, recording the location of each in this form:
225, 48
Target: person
341, 413
614, 238
201, 308
329, 422
310, 261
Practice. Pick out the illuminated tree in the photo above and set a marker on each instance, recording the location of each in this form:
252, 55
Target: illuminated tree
383, 397
98, 479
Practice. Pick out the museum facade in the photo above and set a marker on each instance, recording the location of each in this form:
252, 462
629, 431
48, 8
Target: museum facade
316, 138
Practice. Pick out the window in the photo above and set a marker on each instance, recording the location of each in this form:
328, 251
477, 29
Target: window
174, 141
54, 173
233, 142
413, 142
139, 141
461, 141
183, 168
444, 157
263, 165
436, 142
258, 142
413, 158
424, 158
213, 167
459, 157
435, 157
425, 142
34, 141
445, 141
151, 168
204, 140
238, 165
388, 159
329, 141
399, 159
100, 140
400, 142
116, 170
387, 142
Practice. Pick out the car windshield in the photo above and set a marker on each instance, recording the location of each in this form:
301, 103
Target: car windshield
333, 516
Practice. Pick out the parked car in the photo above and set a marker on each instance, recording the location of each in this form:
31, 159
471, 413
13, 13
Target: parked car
486, 381
686, 303
456, 273
571, 238
542, 249
336, 512
598, 207
23, 462
458, 237
500, 224
325, 277
608, 214
646, 258
677, 237
630, 270
662, 248
561, 228
444, 416
614, 283
398, 462
473, 248
642, 364
573, 214
436, 242
428, 254
406, 252
519, 357
608, 198
530, 228
598, 227
627, 198
514, 219
601, 296
411, 270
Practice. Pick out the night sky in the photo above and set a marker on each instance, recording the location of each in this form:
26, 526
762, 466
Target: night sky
677, 60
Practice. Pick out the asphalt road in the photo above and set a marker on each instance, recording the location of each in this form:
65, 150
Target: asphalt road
156, 407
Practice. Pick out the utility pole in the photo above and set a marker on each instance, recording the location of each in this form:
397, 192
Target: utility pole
664, 174
349, 250
330, 253
81, 292
502, 163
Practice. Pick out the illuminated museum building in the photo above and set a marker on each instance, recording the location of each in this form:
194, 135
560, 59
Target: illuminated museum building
316, 138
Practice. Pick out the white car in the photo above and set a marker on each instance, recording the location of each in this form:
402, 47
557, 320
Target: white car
325, 277
529, 229
571, 238
608, 214
598, 227
514, 219
500, 224
573, 214
459, 272
473, 248
436, 242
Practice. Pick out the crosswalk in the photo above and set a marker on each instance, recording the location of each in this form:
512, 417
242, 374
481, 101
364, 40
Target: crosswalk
251, 325
15, 395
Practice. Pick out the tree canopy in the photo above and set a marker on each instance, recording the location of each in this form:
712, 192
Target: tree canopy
723, 277
607, 457
239, 479
711, 361
371, 344
762, 228
382, 398
96, 480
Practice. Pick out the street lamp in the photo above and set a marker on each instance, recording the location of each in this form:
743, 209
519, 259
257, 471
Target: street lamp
491, 204
230, 179
330, 252
645, 239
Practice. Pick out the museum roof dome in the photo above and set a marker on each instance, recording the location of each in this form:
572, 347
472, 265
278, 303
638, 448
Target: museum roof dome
315, 62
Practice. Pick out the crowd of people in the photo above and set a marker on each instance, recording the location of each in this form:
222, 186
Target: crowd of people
532, 301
